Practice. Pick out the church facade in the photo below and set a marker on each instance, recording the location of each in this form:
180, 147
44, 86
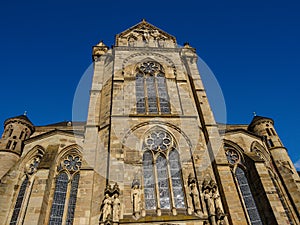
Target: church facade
150, 151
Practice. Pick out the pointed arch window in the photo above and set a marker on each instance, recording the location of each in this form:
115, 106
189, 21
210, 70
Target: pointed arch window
151, 89
19, 202
234, 159
24, 190
65, 193
163, 185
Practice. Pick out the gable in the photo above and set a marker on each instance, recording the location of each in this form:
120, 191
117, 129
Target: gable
145, 34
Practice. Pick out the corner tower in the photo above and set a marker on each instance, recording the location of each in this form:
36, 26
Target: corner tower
264, 127
16, 130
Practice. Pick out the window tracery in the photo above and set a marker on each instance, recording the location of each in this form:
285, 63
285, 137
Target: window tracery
234, 158
66, 187
30, 169
163, 186
151, 89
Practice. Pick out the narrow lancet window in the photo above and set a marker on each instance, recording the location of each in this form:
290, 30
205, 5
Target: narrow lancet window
18, 206
247, 196
73, 198
163, 185
59, 199
149, 183
176, 179
140, 94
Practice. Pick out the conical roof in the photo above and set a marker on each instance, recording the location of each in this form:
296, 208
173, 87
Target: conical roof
22, 118
256, 119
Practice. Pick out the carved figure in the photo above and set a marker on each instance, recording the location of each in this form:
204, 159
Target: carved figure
106, 208
136, 200
209, 202
116, 207
213, 201
194, 193
217, 202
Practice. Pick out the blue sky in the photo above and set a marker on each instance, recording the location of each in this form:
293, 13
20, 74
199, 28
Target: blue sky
252, 47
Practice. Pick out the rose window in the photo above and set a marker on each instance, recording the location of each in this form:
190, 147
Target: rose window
149, 67
72, 163
232, 156
158, 140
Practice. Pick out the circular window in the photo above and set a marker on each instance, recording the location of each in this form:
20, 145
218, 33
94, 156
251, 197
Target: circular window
158, 140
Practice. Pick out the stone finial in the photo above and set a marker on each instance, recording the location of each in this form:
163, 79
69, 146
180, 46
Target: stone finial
186, 45
99, 49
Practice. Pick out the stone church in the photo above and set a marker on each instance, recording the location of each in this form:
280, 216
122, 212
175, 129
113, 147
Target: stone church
150, 151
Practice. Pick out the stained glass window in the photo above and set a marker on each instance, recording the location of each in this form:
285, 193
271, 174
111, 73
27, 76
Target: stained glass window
19, 202
159, 144
176, 179
149, 183
151, 89
163, 185
72, 200
232, 156
151, 94
71, 164
59, 199
140, 94
162, 93
247, 196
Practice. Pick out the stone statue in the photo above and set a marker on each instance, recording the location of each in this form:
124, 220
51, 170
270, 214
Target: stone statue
194, 193
209, 202
217, 202
136, 199
116, 207
106, 208
213, 201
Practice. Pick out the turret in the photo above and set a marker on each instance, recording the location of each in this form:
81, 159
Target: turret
16, 130
264, 127
284, 166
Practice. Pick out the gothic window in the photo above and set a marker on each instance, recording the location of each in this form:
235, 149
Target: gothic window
149, 188
72, 200
30, 169
18, 205
162, 178
247, 196
59, 198
234, 159
163, 186
151, 89
176, 179
66, 187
